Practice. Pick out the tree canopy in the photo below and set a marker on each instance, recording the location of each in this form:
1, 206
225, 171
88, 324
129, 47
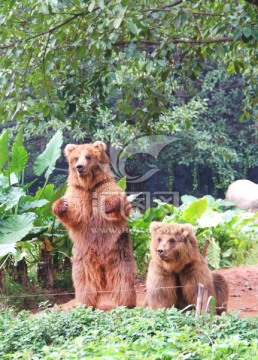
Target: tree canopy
117, 63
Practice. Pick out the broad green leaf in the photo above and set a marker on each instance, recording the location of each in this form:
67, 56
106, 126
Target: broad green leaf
11, 198
18, 256
195, 210
7, 249
15, 227
19, 138
186, 199
52, 196
47, 160
209, 219
47, 193
4, 148
34, 204
19, 159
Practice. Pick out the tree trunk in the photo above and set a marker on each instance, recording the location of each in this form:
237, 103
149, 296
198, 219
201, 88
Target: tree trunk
2, 280
45, 266
20, 273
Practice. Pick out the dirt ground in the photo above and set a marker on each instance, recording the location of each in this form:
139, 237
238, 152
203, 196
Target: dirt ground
243, 292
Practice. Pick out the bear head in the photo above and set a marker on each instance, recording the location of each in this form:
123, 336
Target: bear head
86, 159
173, 242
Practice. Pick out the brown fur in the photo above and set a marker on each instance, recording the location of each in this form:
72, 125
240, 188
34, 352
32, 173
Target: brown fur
94, 209
177, 267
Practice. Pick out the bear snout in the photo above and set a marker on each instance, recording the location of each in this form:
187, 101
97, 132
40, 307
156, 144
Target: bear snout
161, 253
79, 168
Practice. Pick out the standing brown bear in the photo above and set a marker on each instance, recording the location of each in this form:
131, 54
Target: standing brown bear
177, 267
94, 209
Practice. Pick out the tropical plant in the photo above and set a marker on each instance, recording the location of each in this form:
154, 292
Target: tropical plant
27, 225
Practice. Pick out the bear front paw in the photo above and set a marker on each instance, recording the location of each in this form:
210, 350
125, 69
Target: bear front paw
60, 206
110, 206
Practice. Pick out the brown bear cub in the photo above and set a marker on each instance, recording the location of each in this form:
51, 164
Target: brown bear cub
177, 267
94, 209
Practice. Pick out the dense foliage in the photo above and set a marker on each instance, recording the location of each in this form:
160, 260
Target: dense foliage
126, 334
115, 65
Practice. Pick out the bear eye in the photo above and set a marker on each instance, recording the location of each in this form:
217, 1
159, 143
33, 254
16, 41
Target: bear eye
159, 240
88, 158
76, 159
172, 241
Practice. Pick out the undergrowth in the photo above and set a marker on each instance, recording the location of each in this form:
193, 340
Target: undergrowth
126, 334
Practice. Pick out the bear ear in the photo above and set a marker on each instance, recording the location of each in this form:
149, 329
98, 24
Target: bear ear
187, 234
100, 145
155, 225
187, 230
68, 149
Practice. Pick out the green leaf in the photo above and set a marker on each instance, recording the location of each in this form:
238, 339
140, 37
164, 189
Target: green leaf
19, 159
188, 12
34, 204
195, 210
213, 254
186, 199
4, 148
15, 227
227, 8
91, 6
220, 50
117, 22
52, 196
47, 160
19, 138
122, 183
247, 31
101, 4
43, 9
133, 28
46, 110
11, 198
7, 249
47, 193
255, 33
209, 219
237, 34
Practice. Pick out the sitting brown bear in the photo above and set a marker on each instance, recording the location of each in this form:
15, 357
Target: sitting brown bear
177, 267
94, 209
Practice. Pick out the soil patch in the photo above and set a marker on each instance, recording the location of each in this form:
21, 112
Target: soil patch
243, 292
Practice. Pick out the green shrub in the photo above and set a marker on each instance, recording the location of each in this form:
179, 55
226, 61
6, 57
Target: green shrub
126, 334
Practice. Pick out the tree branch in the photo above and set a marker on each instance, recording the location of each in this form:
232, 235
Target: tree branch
176, 41
164, 8
49, 31
53, 29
